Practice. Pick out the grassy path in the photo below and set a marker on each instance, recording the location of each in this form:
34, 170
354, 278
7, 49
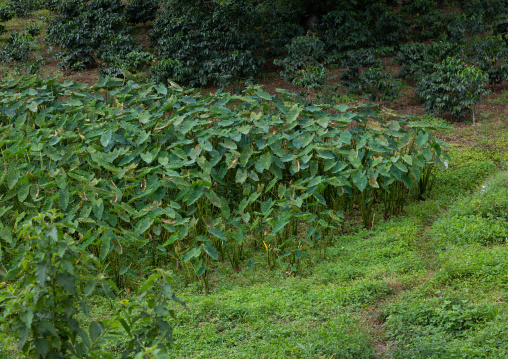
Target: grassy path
371, 297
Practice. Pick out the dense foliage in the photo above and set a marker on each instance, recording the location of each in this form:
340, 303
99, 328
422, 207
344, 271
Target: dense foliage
49, 271
303, 63
103, 186
88, 31
213, 43
152, 174
453, 86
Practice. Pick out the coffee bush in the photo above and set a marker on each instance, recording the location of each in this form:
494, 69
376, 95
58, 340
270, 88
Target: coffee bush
303, 63
377, 84
216, 43
141, 11
490, 55
453, 86
87, 31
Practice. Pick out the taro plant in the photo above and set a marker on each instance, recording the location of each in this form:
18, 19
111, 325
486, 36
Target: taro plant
49, 280
155, 175
452, 87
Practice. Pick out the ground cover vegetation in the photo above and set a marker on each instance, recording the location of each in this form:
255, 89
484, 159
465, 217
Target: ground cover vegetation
140, 218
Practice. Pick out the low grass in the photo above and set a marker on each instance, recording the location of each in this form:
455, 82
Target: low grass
435, 301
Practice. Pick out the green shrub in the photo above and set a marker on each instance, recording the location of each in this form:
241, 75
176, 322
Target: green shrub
303, 63
217, 43
490, 55
463, 26
86, 31
352, 61
133, 62
141, 11
33, 30
23, 8
500, 24
51, 5
391, 28
427, 21
17, 48
418, 59
6, 13
488, 9
165, 70
50, 276
344, 31
453, 87
377, 84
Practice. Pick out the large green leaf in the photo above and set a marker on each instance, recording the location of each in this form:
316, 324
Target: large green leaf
144, 224
12, 178
280, 224
193, 253
212, 252
264, 95
63, 198
217, 233
246, 154
195, 193
422, 138
105, 247
293, 114
23, 191
360, 180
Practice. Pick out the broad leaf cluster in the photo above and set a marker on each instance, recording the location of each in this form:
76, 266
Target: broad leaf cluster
153, 173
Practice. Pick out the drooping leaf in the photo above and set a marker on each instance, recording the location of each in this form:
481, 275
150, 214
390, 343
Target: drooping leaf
264, 95
292, 114
360, 180
67, 282
217, 233
422, 138
193, 253
144, 224
105, 247
23, 191
63, 198
211, 251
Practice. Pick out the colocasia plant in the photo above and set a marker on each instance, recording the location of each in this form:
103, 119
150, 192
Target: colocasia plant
49, 282
154, 175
